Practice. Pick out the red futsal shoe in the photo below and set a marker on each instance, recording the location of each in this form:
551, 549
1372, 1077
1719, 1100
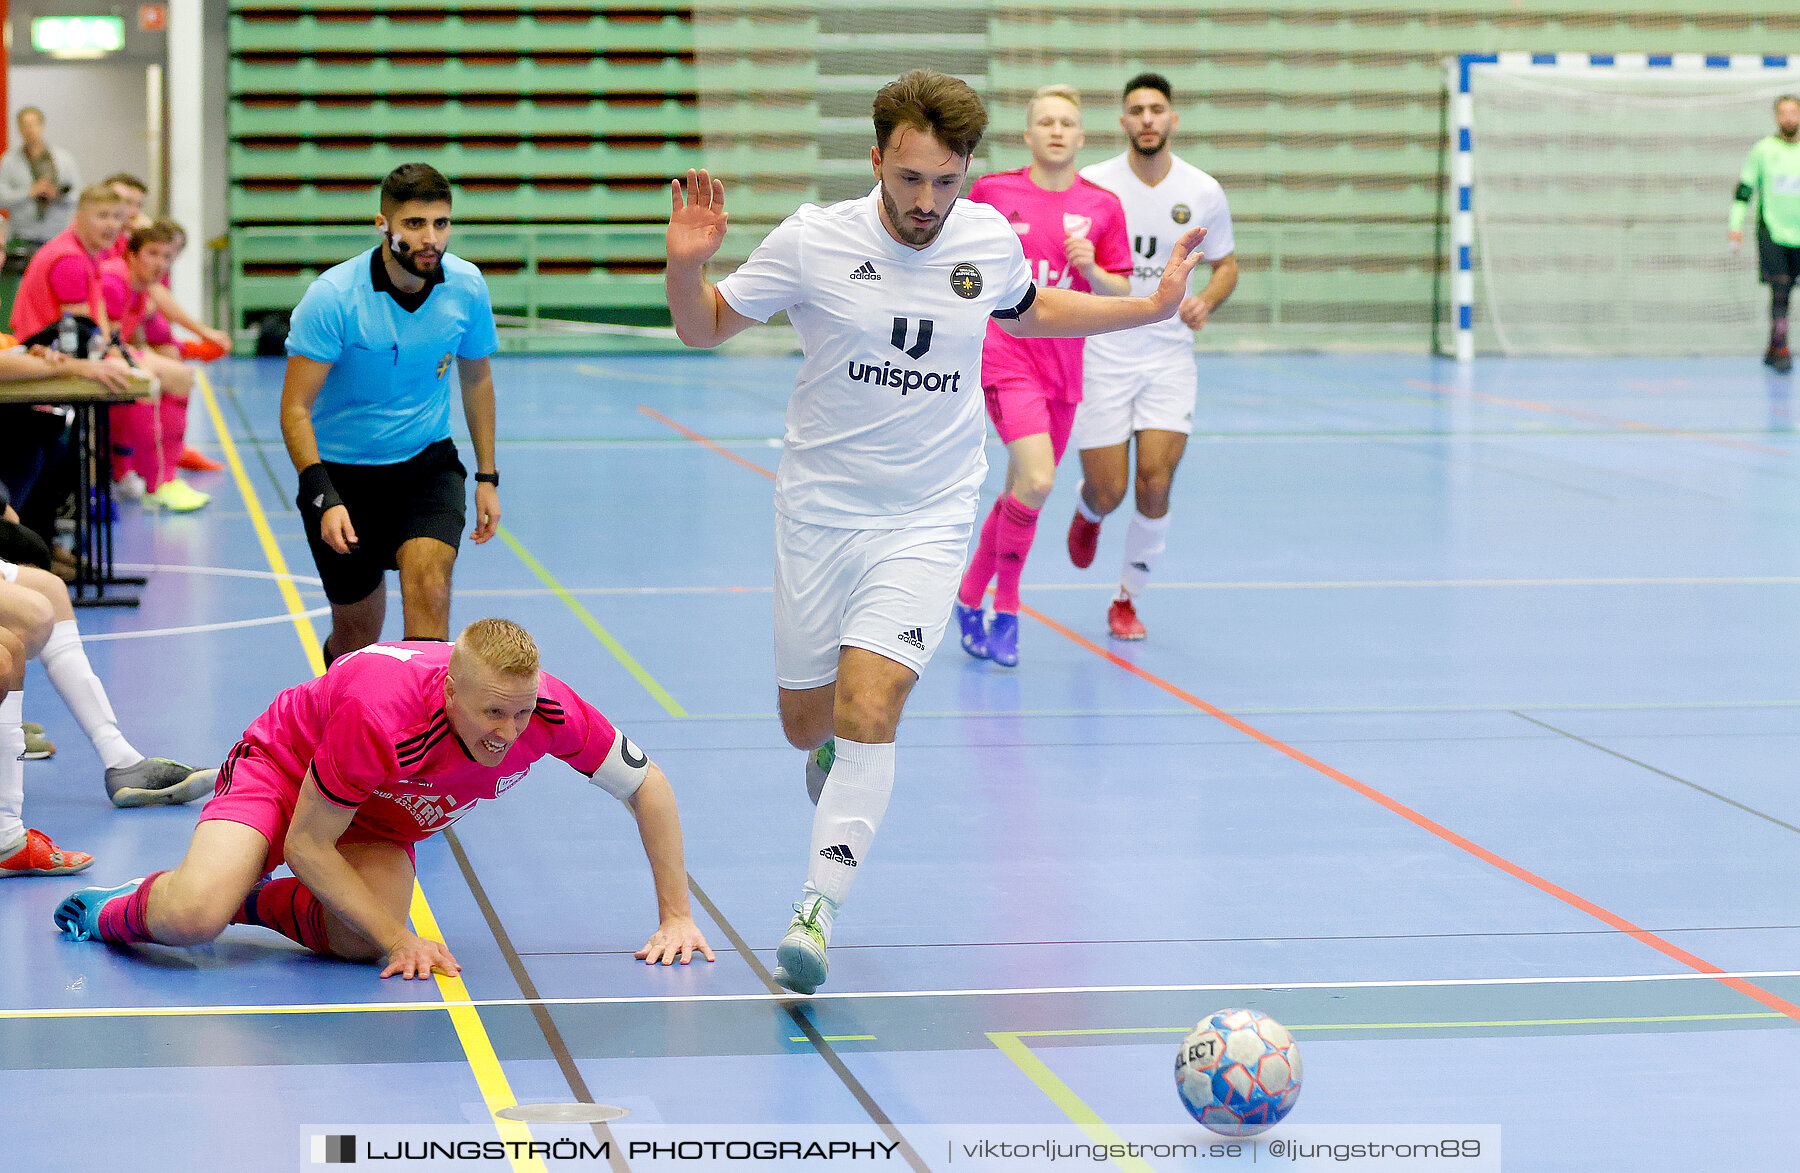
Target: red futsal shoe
1084, 540
1122, 620
40, 857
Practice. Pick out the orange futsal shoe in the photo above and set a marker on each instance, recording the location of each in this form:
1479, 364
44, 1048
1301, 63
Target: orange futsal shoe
1122, 620
201, 348
198, 461
40, 857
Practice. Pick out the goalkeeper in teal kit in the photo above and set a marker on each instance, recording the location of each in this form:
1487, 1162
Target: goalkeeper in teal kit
1772, 175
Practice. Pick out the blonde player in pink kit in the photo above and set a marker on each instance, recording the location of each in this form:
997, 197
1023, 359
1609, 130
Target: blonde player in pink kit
1073, 234
344, 773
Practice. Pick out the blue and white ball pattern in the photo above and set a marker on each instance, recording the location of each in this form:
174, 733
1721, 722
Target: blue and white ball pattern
1238, 1072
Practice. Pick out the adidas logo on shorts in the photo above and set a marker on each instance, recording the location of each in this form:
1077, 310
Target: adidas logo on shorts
914, 638
865, 272
839, 854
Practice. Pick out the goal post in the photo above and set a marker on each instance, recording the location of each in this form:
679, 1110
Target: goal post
1589, 201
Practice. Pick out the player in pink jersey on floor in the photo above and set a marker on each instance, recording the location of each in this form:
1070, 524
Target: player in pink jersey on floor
344, 773
1073, 234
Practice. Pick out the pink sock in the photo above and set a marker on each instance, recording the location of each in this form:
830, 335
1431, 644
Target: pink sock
171, 427
981, 566
289, 907
134, 427
122, 918
1012, 540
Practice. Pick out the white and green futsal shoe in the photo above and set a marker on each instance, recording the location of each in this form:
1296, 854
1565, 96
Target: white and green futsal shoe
800, 960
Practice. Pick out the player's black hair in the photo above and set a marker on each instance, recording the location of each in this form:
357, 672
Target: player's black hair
1149, 81
413, 181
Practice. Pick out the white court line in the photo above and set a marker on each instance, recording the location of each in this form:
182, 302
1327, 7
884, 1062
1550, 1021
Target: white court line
851, 995
198, 627
1273, 585
222, 571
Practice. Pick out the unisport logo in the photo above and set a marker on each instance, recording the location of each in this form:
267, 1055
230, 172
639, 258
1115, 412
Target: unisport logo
889, 375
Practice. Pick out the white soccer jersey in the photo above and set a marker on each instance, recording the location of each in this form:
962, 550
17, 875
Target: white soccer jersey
886, 427
1155, 217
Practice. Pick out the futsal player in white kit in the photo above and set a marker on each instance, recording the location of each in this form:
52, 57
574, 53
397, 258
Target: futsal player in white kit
882, 463
1141, 383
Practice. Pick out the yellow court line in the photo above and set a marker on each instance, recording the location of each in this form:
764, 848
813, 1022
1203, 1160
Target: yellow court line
834, 1038
309, 638
1063, 1097
477, 1048
625, 658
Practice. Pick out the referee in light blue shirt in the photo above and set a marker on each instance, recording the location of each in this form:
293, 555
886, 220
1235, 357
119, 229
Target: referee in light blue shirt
365, 410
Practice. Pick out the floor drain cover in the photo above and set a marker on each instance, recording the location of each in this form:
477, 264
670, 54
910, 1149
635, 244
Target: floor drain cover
562, 1113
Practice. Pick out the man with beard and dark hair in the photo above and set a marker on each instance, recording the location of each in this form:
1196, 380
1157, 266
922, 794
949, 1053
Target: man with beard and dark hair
365, 410
876, 495
1141, 383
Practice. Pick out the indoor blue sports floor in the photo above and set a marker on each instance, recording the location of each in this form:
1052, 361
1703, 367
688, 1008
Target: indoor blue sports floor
1463, 743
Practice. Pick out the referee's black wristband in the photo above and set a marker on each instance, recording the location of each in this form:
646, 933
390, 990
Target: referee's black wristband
316, 492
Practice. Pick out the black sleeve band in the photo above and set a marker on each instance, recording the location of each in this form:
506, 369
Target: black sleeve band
316, 493
1744, 192
1024, 304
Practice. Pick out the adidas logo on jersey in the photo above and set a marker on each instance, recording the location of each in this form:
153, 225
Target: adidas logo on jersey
865, 272
914, 638
839, 854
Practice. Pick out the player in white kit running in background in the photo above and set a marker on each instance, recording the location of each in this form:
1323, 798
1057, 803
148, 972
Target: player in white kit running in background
882, 465
1142, 382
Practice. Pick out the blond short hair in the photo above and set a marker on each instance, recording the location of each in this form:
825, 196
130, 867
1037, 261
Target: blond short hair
1063, 90
500, 644
98, 193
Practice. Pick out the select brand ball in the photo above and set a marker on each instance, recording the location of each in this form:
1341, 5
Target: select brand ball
1238, 1072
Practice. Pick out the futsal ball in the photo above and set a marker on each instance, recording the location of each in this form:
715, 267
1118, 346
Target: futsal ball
1238, 1072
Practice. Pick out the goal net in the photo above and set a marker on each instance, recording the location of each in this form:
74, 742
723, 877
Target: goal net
1593, 194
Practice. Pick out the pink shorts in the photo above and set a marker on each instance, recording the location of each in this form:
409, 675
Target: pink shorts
1020, 408
253, 791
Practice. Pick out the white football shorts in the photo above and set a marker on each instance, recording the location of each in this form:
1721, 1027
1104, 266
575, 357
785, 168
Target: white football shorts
1121, 399
885, 590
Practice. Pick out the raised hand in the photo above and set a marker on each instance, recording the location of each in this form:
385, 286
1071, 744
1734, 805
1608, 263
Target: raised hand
1171, 291
696, 220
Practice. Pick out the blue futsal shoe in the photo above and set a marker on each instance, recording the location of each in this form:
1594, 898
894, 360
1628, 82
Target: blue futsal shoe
974, 635
1003, 639
79, 913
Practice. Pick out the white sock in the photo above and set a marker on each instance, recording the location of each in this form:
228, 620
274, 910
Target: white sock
1144, 541
850, 808
66, 661
1081, 505
12, 770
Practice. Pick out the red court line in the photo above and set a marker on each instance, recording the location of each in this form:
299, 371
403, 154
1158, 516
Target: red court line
697, 438
1594, 417
1580, 903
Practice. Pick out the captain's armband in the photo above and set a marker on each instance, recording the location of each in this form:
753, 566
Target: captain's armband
623, 771
1743, 194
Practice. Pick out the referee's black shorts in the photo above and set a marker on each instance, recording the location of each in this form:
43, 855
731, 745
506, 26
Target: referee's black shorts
390, 504
1780, 262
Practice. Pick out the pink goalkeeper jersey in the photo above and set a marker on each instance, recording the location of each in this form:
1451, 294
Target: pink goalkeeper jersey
1044, 220
375, 732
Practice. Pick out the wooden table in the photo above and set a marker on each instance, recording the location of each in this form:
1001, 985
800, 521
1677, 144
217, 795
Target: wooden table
93, 476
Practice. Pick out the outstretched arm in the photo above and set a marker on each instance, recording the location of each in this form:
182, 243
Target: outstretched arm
168, 307
659, 826
1063, 313
696, 230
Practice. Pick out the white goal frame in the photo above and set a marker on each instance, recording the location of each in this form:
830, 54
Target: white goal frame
1458, 71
